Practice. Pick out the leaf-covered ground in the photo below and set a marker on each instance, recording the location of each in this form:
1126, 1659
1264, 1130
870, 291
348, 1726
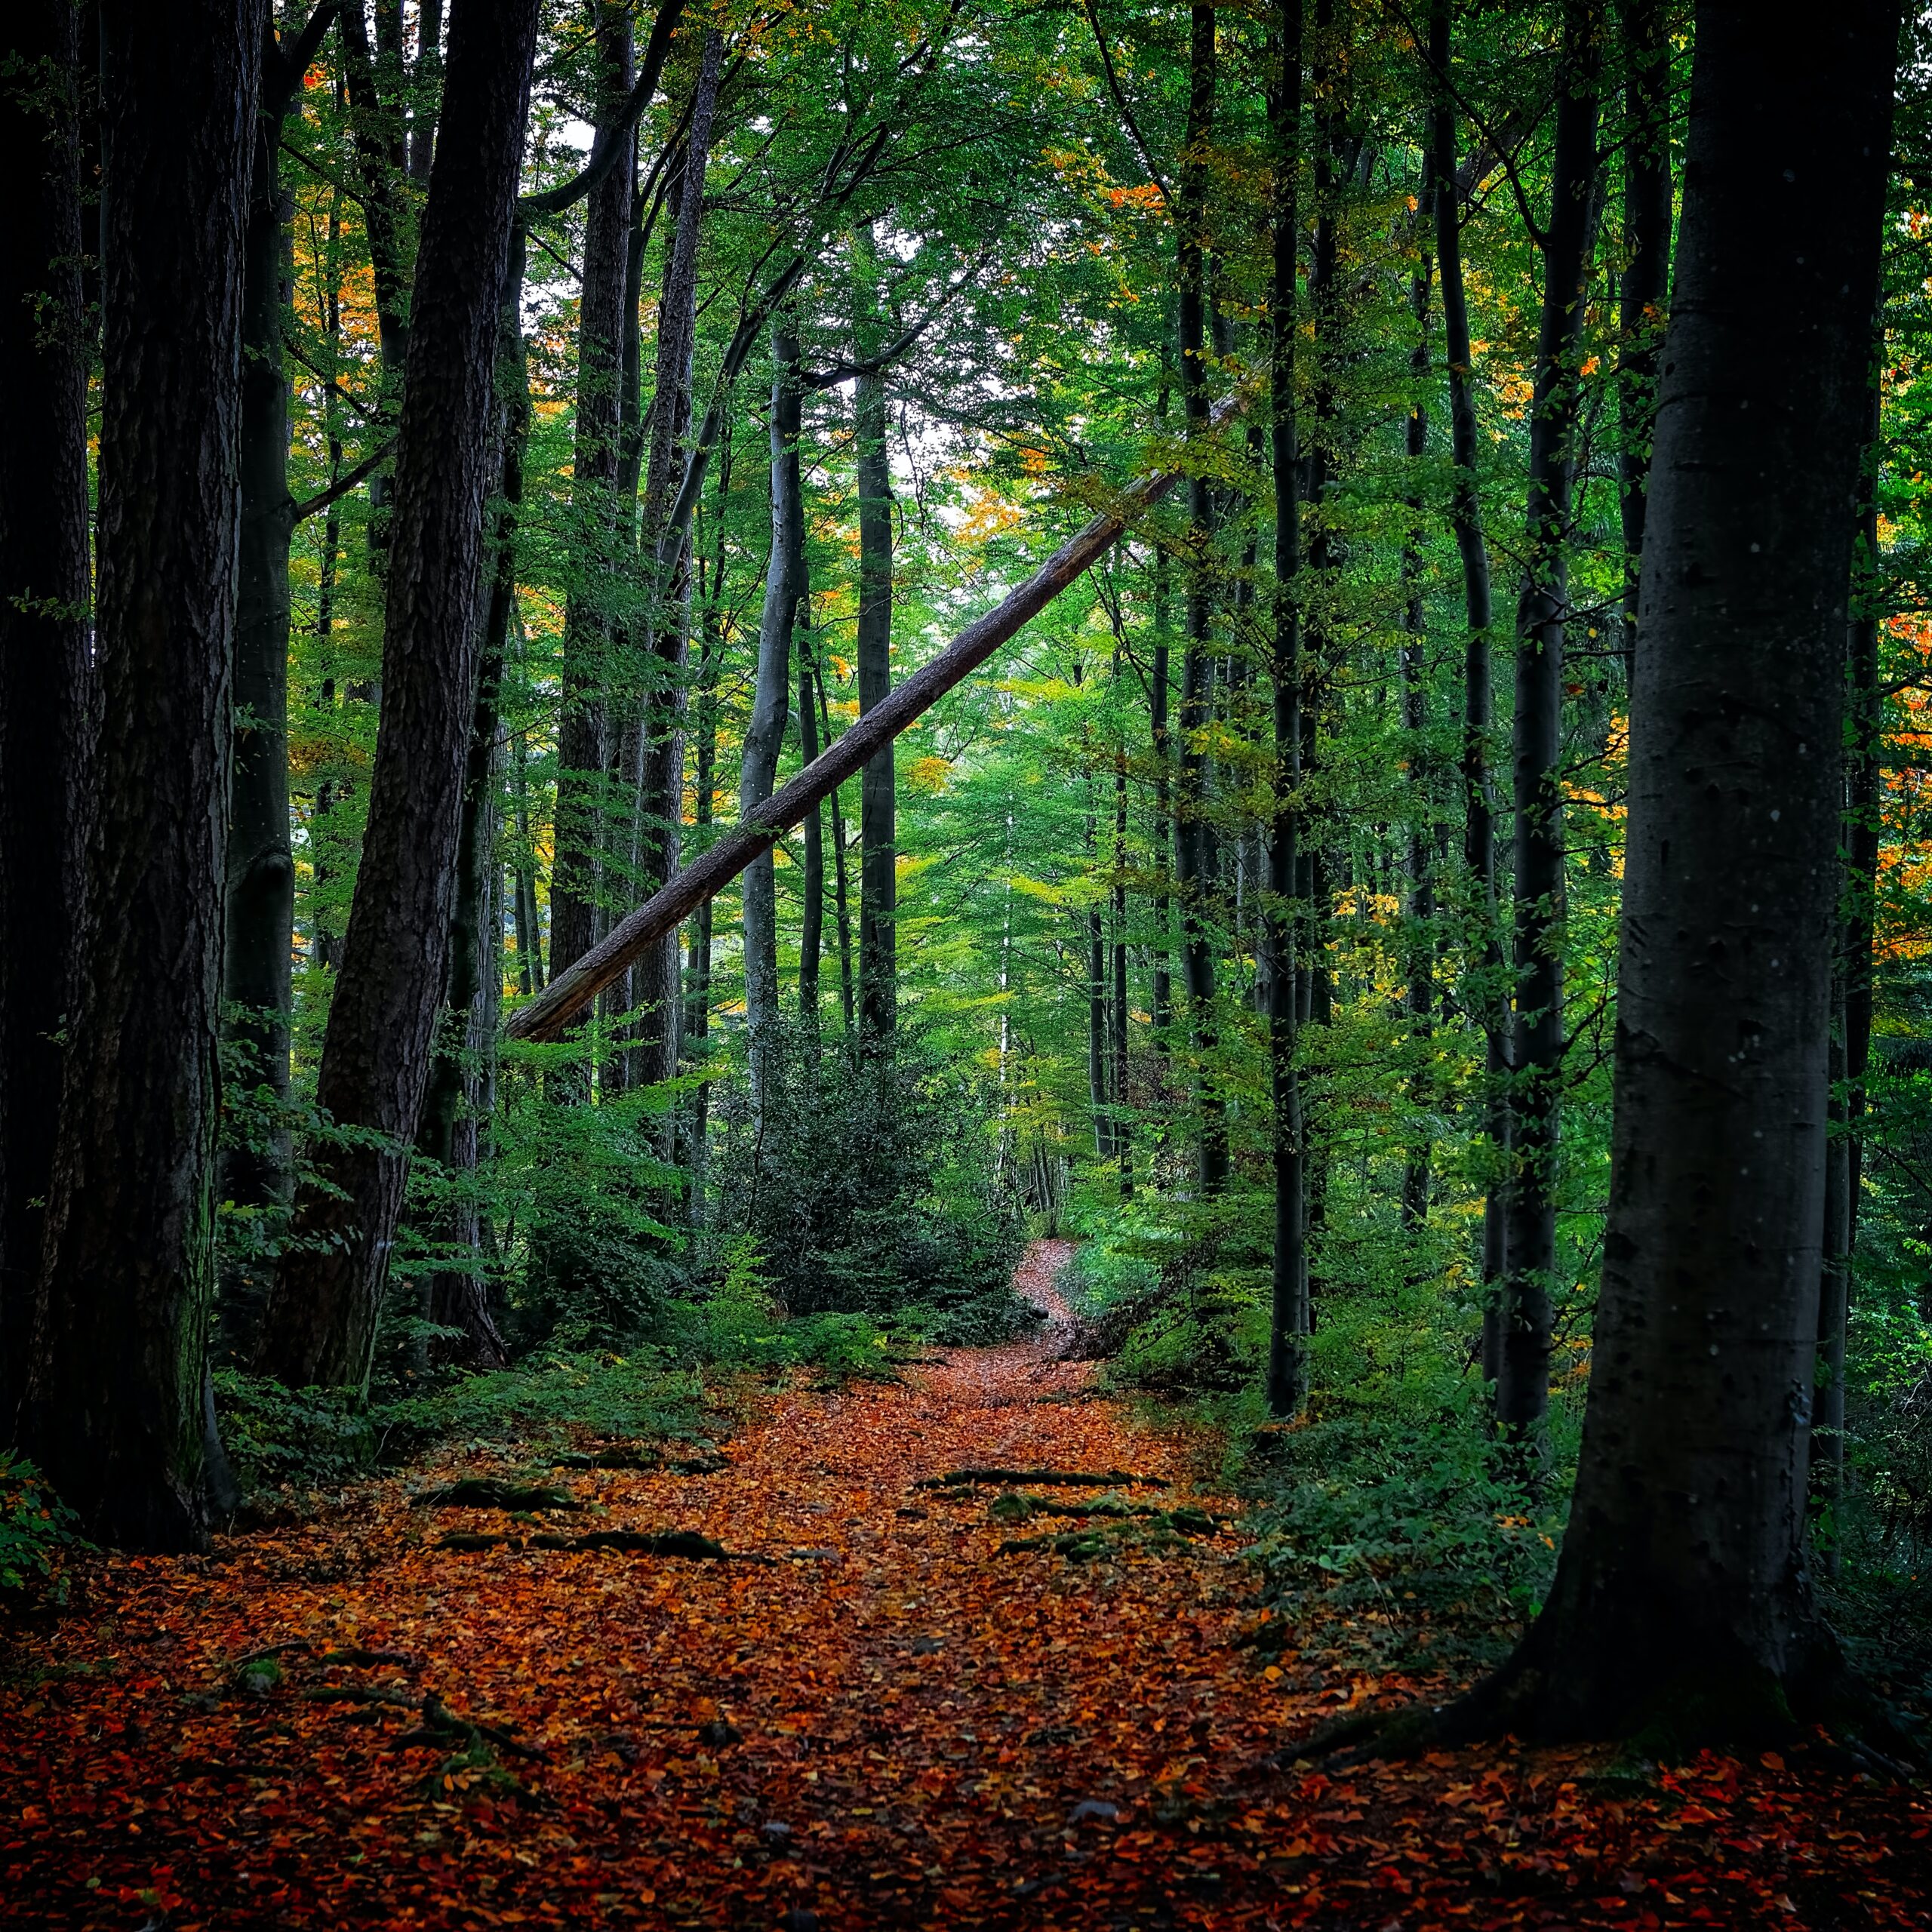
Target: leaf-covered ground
868, 1715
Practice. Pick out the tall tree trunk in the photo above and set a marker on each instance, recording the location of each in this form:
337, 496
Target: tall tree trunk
1863, 809
598, 530
450, 1134
258, 945
1123, 1129
1421, 939
1485, 988
45, 677
1682, 1598
1161, 1008
382, 1027
425, 81
1645, 292
812, 927
1522, 1381
115, 1403
878, 833
658, 797
839, 884
697, 971
1288, 1322
764, 733
1194, 853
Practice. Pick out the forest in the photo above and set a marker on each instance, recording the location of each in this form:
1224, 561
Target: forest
965, 962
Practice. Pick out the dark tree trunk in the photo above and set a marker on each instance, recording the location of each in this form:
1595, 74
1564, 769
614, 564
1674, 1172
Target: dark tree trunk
259, 941
764, 734
115, 1408
425, 79
1421, 937
1863, 809
382, 1028
1683, 1598
1288, 1325
1123, 1129
878, 833
1161, 1008
1193, 838
1522, 1381
811, 926
658, 797
45, 674
1485, 989
451, 1131
1645, 292
840, 884
582, 751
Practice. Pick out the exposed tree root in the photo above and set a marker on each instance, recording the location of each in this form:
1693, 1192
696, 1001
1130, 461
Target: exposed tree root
1667, 1715
664, 1542
492, 1493
1044, 1479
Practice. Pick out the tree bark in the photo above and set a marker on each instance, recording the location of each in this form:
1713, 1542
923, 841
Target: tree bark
1421, 937
589, 616
1645, 294
114, 1403
1288, 1323
381, 1036
1485, 989
811, 924
1522, 1381
658, 798
259, 942
879, 832
765, 732
1195, 866
1683, 1599
45, 676
452, 1129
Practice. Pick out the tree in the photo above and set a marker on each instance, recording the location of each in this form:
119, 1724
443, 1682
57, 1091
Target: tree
1683, 1598
381, 1036
260, 911
115, 1403
45, 674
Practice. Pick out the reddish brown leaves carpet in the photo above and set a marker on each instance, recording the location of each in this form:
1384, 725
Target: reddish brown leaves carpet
885, 1723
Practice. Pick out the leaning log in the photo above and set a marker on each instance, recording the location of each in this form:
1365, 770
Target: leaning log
571, 993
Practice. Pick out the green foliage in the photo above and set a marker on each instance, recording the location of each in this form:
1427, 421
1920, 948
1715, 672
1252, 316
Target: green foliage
307, 1437
35, 1526
869, 1185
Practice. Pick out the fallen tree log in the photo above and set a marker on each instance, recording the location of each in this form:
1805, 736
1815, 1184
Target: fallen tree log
572, 992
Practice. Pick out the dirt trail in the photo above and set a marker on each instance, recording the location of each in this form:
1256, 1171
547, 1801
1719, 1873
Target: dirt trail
884, 1722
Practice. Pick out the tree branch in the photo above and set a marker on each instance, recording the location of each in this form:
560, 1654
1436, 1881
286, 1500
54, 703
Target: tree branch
610, 141
1093, 12
300, 512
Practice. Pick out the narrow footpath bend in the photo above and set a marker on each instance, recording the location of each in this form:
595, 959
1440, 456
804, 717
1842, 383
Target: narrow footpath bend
885, 1721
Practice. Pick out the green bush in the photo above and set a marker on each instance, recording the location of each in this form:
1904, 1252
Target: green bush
869, 1185
35, 1527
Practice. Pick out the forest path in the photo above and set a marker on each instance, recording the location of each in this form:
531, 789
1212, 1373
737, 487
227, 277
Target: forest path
884, 1722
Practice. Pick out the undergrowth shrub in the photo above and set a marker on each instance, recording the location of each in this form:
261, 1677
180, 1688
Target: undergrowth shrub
35, 1527
869, 1185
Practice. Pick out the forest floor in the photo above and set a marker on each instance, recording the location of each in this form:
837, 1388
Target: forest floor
869, 1715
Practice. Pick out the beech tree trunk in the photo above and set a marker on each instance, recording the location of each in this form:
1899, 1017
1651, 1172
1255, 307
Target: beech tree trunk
1645, 291
45, 678
114, 1404
878, 833
1683, 1598
1288, 1325
658, 800
1195, 867
381, 1036
764, 733
589, 616
259, 942
1485, 990
1522, 1380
